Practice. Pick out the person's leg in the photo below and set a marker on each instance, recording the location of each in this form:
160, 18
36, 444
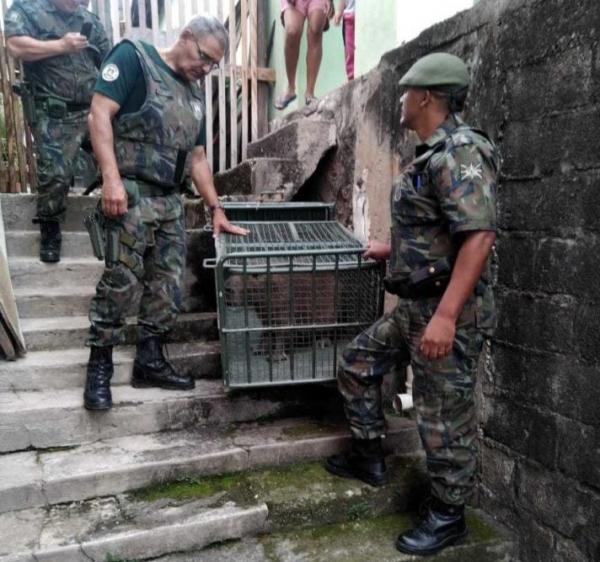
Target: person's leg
349, 44
161, 300
376, 351
443, 392
293, 21
57, 144
114, 294
317, 18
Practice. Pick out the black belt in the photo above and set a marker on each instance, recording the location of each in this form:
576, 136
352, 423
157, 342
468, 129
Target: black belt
77, 106
147, 189
406, 290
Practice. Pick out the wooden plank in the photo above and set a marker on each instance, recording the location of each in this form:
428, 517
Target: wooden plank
244, 47
8, 114
222, 104
263, 88
233, 85
263, 74
169, 23
21, 162
114, 18
155, 23
182, 14
254, 67
127, 18
208, 84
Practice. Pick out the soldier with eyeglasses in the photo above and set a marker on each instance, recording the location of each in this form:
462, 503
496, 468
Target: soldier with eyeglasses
148, 133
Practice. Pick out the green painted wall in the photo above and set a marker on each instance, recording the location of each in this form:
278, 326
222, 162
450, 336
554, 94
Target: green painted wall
332, 73
376, 32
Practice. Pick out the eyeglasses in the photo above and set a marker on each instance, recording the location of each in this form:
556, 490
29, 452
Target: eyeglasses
206, 59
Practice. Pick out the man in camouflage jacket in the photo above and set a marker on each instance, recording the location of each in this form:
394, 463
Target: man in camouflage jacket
443, 209
61, 66
147, 130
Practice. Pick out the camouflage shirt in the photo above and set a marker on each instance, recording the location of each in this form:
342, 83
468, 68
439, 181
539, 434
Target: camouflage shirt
449, 188
71, 76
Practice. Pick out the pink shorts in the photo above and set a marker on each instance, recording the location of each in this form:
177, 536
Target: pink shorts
305, 7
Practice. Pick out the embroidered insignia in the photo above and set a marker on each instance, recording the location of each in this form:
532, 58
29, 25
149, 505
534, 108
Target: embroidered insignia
110, 72
471, 172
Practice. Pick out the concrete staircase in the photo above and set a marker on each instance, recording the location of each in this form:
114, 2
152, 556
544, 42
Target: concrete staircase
175, 476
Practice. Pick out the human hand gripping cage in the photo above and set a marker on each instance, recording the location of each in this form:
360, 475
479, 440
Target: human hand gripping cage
290, 296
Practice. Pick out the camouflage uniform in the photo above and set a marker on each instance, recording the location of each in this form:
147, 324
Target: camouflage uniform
448, 189
153, 147
63, 86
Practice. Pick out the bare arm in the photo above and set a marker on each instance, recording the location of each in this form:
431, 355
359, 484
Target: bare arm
203, 181
114, 196
28, 49
471, 259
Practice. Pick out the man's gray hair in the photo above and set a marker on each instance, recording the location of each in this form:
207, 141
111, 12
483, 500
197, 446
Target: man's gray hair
207, 24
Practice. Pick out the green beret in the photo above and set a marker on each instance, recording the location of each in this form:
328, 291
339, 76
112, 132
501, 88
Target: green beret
437, 69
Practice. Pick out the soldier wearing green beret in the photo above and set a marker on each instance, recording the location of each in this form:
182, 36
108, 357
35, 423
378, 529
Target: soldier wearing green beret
62, 46
443, 211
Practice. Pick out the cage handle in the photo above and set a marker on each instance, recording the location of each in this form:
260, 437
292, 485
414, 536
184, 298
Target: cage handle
209, 263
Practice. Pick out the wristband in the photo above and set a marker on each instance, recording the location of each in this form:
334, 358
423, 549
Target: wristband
213, 208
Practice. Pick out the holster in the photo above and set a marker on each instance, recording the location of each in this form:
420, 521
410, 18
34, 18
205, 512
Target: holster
104, 236
25, 91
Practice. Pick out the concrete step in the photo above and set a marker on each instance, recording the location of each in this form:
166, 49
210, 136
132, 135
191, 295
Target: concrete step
296, 140
26, 243
109, 467
42, 334
96, 530
65, 368
296, 496
362, 540
69, 300
259, 175
56, 418
19, 209
69, 272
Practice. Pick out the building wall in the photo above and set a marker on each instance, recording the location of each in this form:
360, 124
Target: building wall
536, 83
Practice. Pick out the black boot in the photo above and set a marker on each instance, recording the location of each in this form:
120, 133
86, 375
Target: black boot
364, 461
97, 394
440, 526
50, 241
150, 368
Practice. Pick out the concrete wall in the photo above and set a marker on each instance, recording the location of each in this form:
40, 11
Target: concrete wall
536, 84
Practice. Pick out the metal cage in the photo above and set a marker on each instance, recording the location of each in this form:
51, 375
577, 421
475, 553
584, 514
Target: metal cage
290, 296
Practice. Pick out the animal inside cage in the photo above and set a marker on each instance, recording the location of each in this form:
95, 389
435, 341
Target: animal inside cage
291, 296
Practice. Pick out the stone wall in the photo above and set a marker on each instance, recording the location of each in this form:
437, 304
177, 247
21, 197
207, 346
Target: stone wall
536, 89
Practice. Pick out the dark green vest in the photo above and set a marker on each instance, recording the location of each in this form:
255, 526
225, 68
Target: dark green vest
70, 77
154, 144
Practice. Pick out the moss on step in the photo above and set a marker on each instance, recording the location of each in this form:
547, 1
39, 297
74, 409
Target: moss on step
299, 495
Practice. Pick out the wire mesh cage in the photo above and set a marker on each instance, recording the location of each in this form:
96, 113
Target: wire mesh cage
288, 211
290, 296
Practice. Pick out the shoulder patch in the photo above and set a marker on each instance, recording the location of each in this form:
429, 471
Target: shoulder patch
110, 72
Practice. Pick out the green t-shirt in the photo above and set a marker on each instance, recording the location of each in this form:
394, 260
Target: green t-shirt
124, 82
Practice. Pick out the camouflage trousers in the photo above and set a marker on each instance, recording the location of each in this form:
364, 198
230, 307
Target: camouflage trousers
443, 390
58, 143
151, 252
